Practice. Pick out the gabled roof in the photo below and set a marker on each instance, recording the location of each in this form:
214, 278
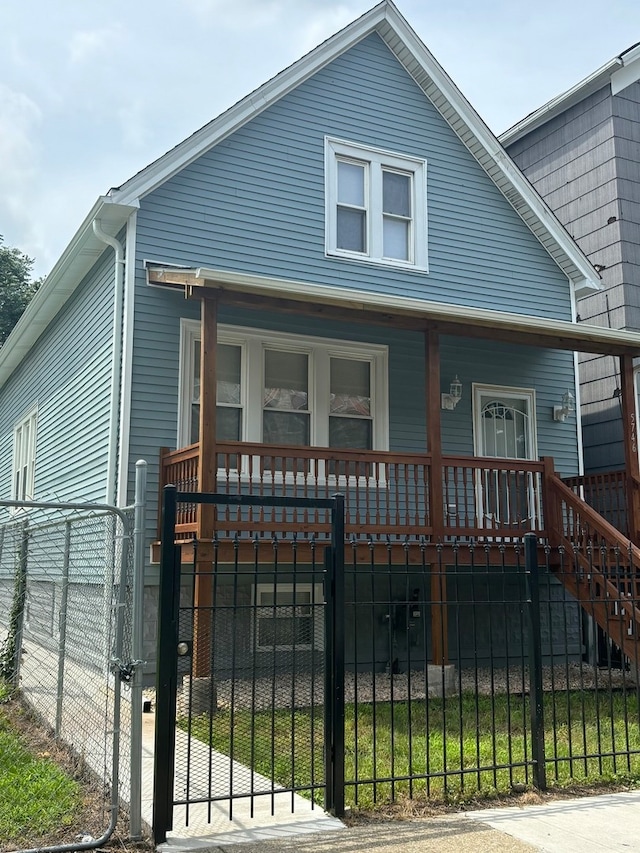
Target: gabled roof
385, 20
618, 73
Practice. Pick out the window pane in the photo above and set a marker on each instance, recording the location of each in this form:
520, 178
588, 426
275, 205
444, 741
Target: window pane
194, 433
350, 387
350, 183
228, 423
285, 630
286, 380
351, 229
228, 373
195, 396
285, 428
350, 433
395, 238
396, 194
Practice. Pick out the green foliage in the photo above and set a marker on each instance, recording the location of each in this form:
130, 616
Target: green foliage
455, 749
36, 796
16, 287
9, 648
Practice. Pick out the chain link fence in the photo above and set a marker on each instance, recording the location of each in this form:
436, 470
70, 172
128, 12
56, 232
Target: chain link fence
67, 594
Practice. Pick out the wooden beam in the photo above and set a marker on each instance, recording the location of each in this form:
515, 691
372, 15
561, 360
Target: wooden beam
439, 622
207, 473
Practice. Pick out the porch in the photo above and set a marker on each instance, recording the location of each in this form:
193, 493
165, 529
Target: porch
391, 496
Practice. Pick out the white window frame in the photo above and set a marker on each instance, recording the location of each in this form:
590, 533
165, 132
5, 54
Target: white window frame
375, 161
316, 605
254, 342
23, 466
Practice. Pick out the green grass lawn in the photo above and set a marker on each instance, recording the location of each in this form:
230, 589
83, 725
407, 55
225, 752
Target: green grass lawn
36, 796
462, 743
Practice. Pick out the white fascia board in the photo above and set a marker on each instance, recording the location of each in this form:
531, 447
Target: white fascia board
60, 284
250, 106
444, 312
628, 74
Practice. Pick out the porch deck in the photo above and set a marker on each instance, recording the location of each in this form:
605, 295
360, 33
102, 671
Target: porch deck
389, 496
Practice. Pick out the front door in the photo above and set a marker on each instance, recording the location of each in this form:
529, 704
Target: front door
504, 428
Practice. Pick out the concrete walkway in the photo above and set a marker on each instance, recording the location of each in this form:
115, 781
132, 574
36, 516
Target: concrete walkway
609, 823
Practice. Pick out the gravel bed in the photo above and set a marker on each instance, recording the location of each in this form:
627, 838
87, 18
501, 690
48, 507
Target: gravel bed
286, 691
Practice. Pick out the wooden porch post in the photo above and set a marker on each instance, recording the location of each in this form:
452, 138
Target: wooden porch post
207, 471
630, 438
439, 644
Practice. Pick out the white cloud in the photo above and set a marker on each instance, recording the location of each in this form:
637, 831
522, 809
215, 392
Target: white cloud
86, 45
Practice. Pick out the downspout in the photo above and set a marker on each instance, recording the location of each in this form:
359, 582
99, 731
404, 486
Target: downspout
116, 350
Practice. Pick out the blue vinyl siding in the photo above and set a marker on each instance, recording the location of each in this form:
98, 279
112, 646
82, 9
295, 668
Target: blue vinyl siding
255, 202
67, 376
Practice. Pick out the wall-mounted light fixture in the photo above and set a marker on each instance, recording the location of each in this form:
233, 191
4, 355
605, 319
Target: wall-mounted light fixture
568, 407
450, 401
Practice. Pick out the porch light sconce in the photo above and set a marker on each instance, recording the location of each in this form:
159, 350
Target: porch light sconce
450, 401
568, 407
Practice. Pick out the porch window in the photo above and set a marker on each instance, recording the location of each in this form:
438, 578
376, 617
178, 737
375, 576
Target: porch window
288, 389
286, 416
289, 617
375, 205
24, 458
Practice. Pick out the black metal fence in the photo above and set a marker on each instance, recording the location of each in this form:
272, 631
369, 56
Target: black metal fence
439, 672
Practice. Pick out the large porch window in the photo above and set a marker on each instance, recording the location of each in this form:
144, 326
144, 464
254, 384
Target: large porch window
287, 389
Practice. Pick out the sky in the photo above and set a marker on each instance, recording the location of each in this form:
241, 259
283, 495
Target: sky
92, 92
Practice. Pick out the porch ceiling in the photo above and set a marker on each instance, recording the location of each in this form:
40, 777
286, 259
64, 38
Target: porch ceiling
384, 309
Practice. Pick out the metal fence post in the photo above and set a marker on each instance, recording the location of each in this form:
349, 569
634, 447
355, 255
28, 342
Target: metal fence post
62, 626
337, 698
137, 652
167, 666
535, 661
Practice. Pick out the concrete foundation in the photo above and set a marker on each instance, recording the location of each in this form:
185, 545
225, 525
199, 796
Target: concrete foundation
198, 696
442, 680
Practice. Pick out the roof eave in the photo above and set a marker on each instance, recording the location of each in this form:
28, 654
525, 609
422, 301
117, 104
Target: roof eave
568, 335
593, 83
75, 262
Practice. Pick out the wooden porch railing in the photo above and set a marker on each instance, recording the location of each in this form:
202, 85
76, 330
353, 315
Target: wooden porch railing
386, 493
601, 568
606, 492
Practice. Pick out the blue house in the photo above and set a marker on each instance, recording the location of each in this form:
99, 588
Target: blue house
343, 283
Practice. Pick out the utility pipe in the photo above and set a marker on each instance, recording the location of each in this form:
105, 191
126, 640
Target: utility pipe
116, 350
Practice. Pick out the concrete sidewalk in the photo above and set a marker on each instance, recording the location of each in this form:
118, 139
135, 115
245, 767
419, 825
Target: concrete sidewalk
609, 822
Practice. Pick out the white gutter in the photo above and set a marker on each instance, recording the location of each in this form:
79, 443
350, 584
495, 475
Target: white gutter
560, 103
127, 362
116, 359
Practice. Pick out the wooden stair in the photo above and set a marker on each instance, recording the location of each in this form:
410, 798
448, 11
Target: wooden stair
598, 565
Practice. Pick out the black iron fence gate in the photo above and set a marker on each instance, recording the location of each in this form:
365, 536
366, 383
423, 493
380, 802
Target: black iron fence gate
247, 637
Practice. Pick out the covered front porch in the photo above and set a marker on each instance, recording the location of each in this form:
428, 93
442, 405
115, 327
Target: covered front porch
391, 496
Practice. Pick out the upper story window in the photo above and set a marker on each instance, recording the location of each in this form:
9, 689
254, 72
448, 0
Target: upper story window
24, 458
376, 205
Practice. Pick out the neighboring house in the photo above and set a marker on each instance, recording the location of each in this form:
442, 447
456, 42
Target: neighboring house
341, 283
581, 151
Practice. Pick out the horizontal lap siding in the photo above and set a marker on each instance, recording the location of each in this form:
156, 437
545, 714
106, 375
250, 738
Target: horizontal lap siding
68, 376
255, 203
548, 372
